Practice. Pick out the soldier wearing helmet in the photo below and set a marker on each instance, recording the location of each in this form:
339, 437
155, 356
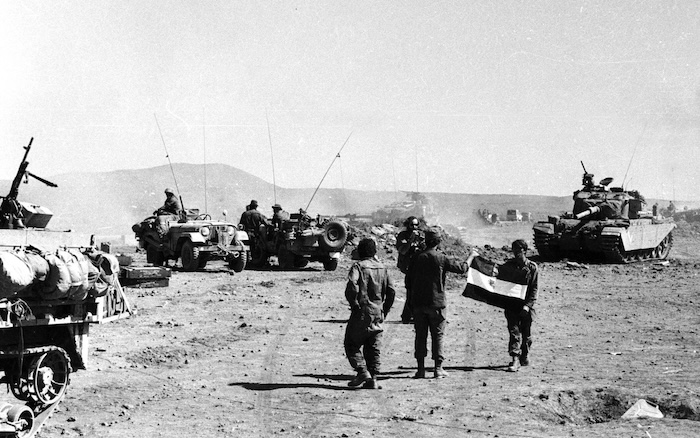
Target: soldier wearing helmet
171, 206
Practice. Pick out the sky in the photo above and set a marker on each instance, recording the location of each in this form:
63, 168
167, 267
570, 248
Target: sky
484, 97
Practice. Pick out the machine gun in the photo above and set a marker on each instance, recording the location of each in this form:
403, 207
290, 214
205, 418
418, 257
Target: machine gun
11, 214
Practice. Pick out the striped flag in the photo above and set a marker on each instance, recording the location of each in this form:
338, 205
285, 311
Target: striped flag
502, 285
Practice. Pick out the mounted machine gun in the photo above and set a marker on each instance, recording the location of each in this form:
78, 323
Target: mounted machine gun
14, 214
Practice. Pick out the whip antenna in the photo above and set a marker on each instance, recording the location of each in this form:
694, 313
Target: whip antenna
272, 157
329, 168
167, 155
204, 145
633, 152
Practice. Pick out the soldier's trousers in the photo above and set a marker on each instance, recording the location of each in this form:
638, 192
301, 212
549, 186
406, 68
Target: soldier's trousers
425, 319
362, 349
519, 330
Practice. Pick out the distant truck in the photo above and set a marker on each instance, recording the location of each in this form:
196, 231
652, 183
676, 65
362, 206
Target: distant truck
514, 215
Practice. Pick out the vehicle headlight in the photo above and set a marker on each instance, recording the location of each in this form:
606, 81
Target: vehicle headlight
231, 230
205, 231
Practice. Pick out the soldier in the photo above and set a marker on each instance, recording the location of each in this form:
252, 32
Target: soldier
370, 293
279, 216
252, 220
519, 318
426, 280
171, 205
408, 242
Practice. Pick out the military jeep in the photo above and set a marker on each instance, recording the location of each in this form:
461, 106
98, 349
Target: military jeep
193, 238
301, 240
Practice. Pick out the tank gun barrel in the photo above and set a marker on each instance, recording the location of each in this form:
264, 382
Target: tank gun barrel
587, 212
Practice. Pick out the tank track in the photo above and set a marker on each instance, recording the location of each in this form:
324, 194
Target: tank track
545, 248
613, 252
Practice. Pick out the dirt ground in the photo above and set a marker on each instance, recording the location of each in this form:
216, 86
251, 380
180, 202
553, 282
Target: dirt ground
260, 353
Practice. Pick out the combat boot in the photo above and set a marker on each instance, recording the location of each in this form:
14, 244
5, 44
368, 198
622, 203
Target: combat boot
420, 374
514, 365
439, 372
359, 379
524, 360
371, 383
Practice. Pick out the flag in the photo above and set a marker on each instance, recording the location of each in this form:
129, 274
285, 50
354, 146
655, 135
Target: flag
502, 285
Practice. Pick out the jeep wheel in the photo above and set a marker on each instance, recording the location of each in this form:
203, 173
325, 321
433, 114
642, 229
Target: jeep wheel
203, 260
237, 264
300, 261
285, 258
330, 264
258, 256
154, 256
334, 236
189, 256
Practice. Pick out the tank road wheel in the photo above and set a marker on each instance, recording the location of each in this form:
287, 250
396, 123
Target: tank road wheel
237, 264
154, 256
19, 386
22, 418
285, 258
48, 376
330, 264
664, 247
189, 256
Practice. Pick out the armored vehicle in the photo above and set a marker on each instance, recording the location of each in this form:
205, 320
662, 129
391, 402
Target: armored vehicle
301, 240
607, 223
194, 239
53, 286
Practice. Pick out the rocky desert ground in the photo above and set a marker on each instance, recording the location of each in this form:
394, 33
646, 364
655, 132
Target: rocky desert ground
259, 354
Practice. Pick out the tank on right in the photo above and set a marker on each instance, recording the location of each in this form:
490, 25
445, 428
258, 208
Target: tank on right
607, 224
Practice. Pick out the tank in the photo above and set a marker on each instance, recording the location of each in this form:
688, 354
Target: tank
608, 224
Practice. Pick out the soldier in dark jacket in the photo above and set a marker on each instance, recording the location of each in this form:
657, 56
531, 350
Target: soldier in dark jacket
519, 318
171, 205
409, 242
370, 293
426, 279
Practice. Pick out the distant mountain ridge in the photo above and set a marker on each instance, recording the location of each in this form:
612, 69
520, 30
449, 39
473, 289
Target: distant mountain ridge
109, 203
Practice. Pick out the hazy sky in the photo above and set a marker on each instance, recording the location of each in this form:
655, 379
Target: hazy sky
484, 96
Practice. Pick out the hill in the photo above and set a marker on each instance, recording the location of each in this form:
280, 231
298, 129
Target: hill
109, 203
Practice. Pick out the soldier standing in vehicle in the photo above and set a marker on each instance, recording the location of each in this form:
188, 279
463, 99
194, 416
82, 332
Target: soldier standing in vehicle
171, 206
370, 293
279, 216
408, 242
519, 318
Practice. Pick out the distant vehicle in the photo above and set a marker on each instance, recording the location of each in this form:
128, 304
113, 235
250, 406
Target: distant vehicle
607, 222
301, 240
418, 205
514, 215
194, 239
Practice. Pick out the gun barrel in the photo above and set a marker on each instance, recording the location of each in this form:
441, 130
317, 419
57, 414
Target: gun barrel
588, 212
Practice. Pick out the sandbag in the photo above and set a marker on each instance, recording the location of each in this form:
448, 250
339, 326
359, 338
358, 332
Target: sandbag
77, 278
15, 274
108, 266
39, 265
58, 282
80, 292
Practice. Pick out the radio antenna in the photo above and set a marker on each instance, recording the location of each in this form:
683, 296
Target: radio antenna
329, 168
272, 157
634, 151
167, 155
204, 145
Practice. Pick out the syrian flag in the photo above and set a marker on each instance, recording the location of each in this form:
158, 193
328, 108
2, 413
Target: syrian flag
502, 285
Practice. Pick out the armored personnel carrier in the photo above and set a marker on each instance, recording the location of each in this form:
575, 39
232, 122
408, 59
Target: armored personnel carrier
53, 286
607, 223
